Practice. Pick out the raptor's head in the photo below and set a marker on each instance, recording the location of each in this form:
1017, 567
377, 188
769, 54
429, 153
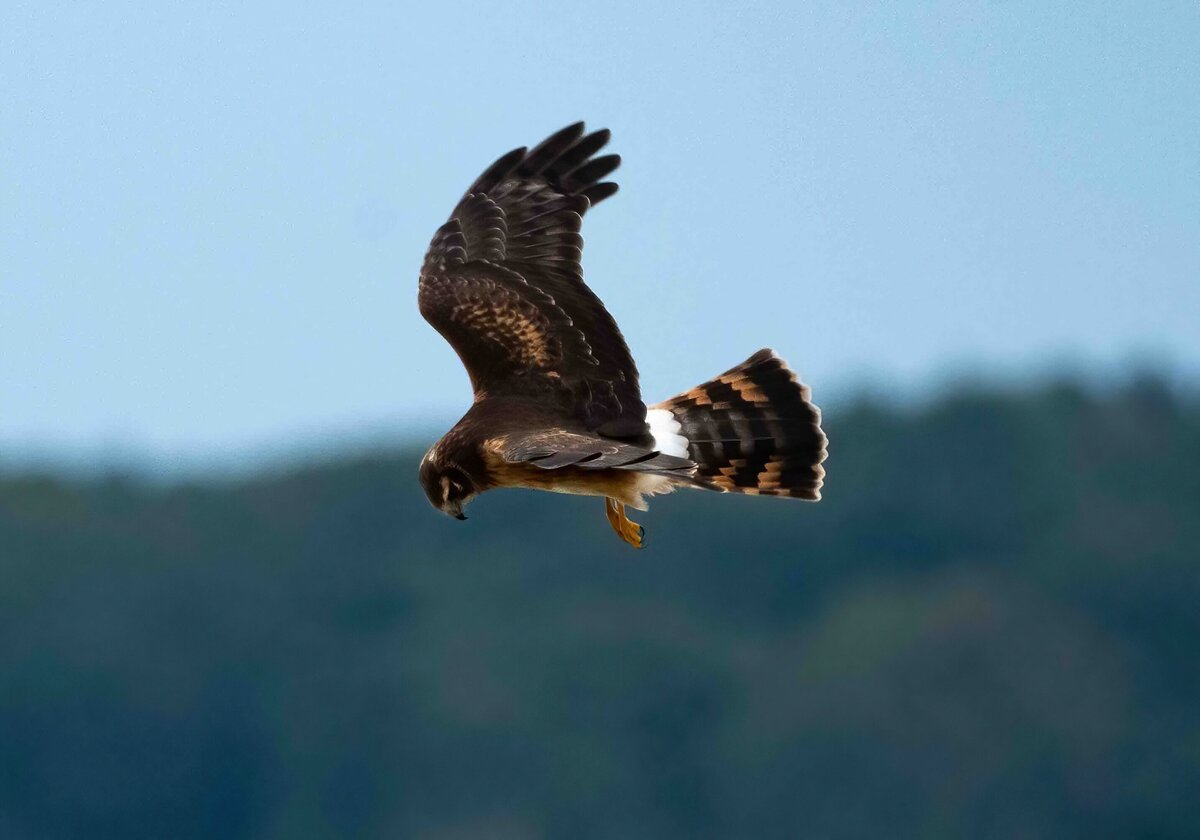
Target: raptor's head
447, 484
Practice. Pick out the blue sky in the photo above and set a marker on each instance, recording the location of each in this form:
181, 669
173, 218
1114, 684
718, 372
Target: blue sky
211, 215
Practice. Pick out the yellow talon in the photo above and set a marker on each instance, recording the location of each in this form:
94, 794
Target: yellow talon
626, 528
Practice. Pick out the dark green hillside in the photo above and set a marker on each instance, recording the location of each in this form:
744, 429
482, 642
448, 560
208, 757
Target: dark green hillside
988, 628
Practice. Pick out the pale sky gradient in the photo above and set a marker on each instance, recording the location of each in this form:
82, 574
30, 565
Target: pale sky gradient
211, 215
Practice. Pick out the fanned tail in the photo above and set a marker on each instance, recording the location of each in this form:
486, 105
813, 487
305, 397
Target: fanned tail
754, 430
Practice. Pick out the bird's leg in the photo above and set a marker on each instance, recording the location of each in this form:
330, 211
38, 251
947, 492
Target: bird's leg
626, 528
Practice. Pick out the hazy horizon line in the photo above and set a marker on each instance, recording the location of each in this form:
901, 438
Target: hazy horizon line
134, 455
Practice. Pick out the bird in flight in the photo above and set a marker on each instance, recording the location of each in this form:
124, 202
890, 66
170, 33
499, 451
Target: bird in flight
557, 405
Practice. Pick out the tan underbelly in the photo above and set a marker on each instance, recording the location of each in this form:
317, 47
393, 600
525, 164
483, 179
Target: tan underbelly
626, 485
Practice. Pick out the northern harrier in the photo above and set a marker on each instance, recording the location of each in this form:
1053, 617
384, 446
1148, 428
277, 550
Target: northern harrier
557, 405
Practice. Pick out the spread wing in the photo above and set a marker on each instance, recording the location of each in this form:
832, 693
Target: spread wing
503, 283
554, 449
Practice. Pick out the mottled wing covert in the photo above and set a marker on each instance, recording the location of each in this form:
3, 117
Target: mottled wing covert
503, 329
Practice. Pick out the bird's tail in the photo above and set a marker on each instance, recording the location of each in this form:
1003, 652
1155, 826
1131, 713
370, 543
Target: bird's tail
753, 429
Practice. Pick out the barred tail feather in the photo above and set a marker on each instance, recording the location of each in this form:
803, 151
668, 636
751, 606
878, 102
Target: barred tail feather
754, 430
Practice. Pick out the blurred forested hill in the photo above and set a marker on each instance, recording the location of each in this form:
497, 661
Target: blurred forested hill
988, 628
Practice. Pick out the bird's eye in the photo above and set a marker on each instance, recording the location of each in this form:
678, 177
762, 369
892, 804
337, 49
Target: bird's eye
454, 487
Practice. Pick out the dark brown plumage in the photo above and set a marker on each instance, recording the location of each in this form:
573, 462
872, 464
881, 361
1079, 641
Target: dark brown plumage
557, 404
518, 225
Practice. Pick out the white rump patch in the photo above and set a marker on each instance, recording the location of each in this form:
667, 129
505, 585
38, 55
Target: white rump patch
667, 433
